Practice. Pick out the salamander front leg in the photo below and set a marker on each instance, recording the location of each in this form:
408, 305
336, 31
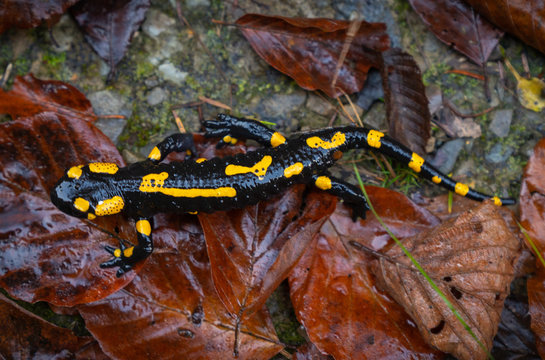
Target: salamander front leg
127, 257
173, 143
230, 128
349, 193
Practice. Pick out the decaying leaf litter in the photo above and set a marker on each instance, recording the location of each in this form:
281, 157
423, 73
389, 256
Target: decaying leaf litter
432, 73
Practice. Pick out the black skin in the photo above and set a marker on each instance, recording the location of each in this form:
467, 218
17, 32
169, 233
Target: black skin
238, 188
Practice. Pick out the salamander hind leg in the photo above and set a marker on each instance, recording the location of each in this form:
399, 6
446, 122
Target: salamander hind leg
126, 257
230, 128
349, 193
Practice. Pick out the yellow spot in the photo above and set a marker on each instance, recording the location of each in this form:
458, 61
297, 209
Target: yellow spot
294, 169
110, 206
193, 212
277, 139
106, 168
436, 179
323, 182
416, 162
128, 251
461, 189
188, 152
227, 138
530, 92
373, 138
81, 204
259, 169
74, 172
143, 227
337, 140
155, 183
200, 160
91, 216
497, 200
233, 141
117, 252
155, 154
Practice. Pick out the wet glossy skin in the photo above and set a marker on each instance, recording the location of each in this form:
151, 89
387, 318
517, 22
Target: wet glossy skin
149, 187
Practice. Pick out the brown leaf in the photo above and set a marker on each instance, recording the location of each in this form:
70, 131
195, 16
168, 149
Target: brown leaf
108, 26
308, 50
252, 250
406, 102
471, 260
456, 24
30, 96
536, 302
25, 14
334, 293
27, 336
171, 309
309, 352
532, 218
522, 18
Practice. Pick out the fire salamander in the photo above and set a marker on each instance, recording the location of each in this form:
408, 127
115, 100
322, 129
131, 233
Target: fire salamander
149, 187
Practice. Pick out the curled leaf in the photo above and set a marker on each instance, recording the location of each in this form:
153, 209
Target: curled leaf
471, 259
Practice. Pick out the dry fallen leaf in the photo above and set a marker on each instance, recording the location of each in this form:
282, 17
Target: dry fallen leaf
471, 259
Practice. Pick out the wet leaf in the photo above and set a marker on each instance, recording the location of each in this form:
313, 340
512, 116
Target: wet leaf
334, 293
456, 24
536, 302
309, 352
27, 336
252, 250
472, 260
24, 14
532, 216
30, 96
308, 50
406, 102
522, 18
108, 26
171, 309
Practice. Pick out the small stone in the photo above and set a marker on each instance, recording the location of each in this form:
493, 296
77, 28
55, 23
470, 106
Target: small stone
170, 73
501, 122
157, 23
499, 153
372, 90
107, 102
320, 105
66, 34
282, 104
435, 98
446, 156
196, 3
156, 96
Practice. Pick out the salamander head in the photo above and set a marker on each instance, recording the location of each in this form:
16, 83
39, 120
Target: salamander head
86, 191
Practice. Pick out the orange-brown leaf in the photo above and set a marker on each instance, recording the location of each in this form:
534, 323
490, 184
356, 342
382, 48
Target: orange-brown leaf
308, 50
471, 259
252, 250
171, 309
25, 14
334, 293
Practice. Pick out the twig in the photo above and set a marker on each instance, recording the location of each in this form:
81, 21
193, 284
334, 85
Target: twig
452, 108
466, 73
6, 75
214, 103
179, 123
350, 33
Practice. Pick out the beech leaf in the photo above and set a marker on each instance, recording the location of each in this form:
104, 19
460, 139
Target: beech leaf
456, 24
108, 26
308, 50
521, 18
25, 14
407, 108
471, 259
334, 293
252, 250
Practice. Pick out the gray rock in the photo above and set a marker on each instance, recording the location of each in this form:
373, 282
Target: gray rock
435, 98
107, 102
372, 90
499, 153
65, 33
319, 105
446, 156
282, 104
195, 3
501, 121
157, 23
170, 73
156, 96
